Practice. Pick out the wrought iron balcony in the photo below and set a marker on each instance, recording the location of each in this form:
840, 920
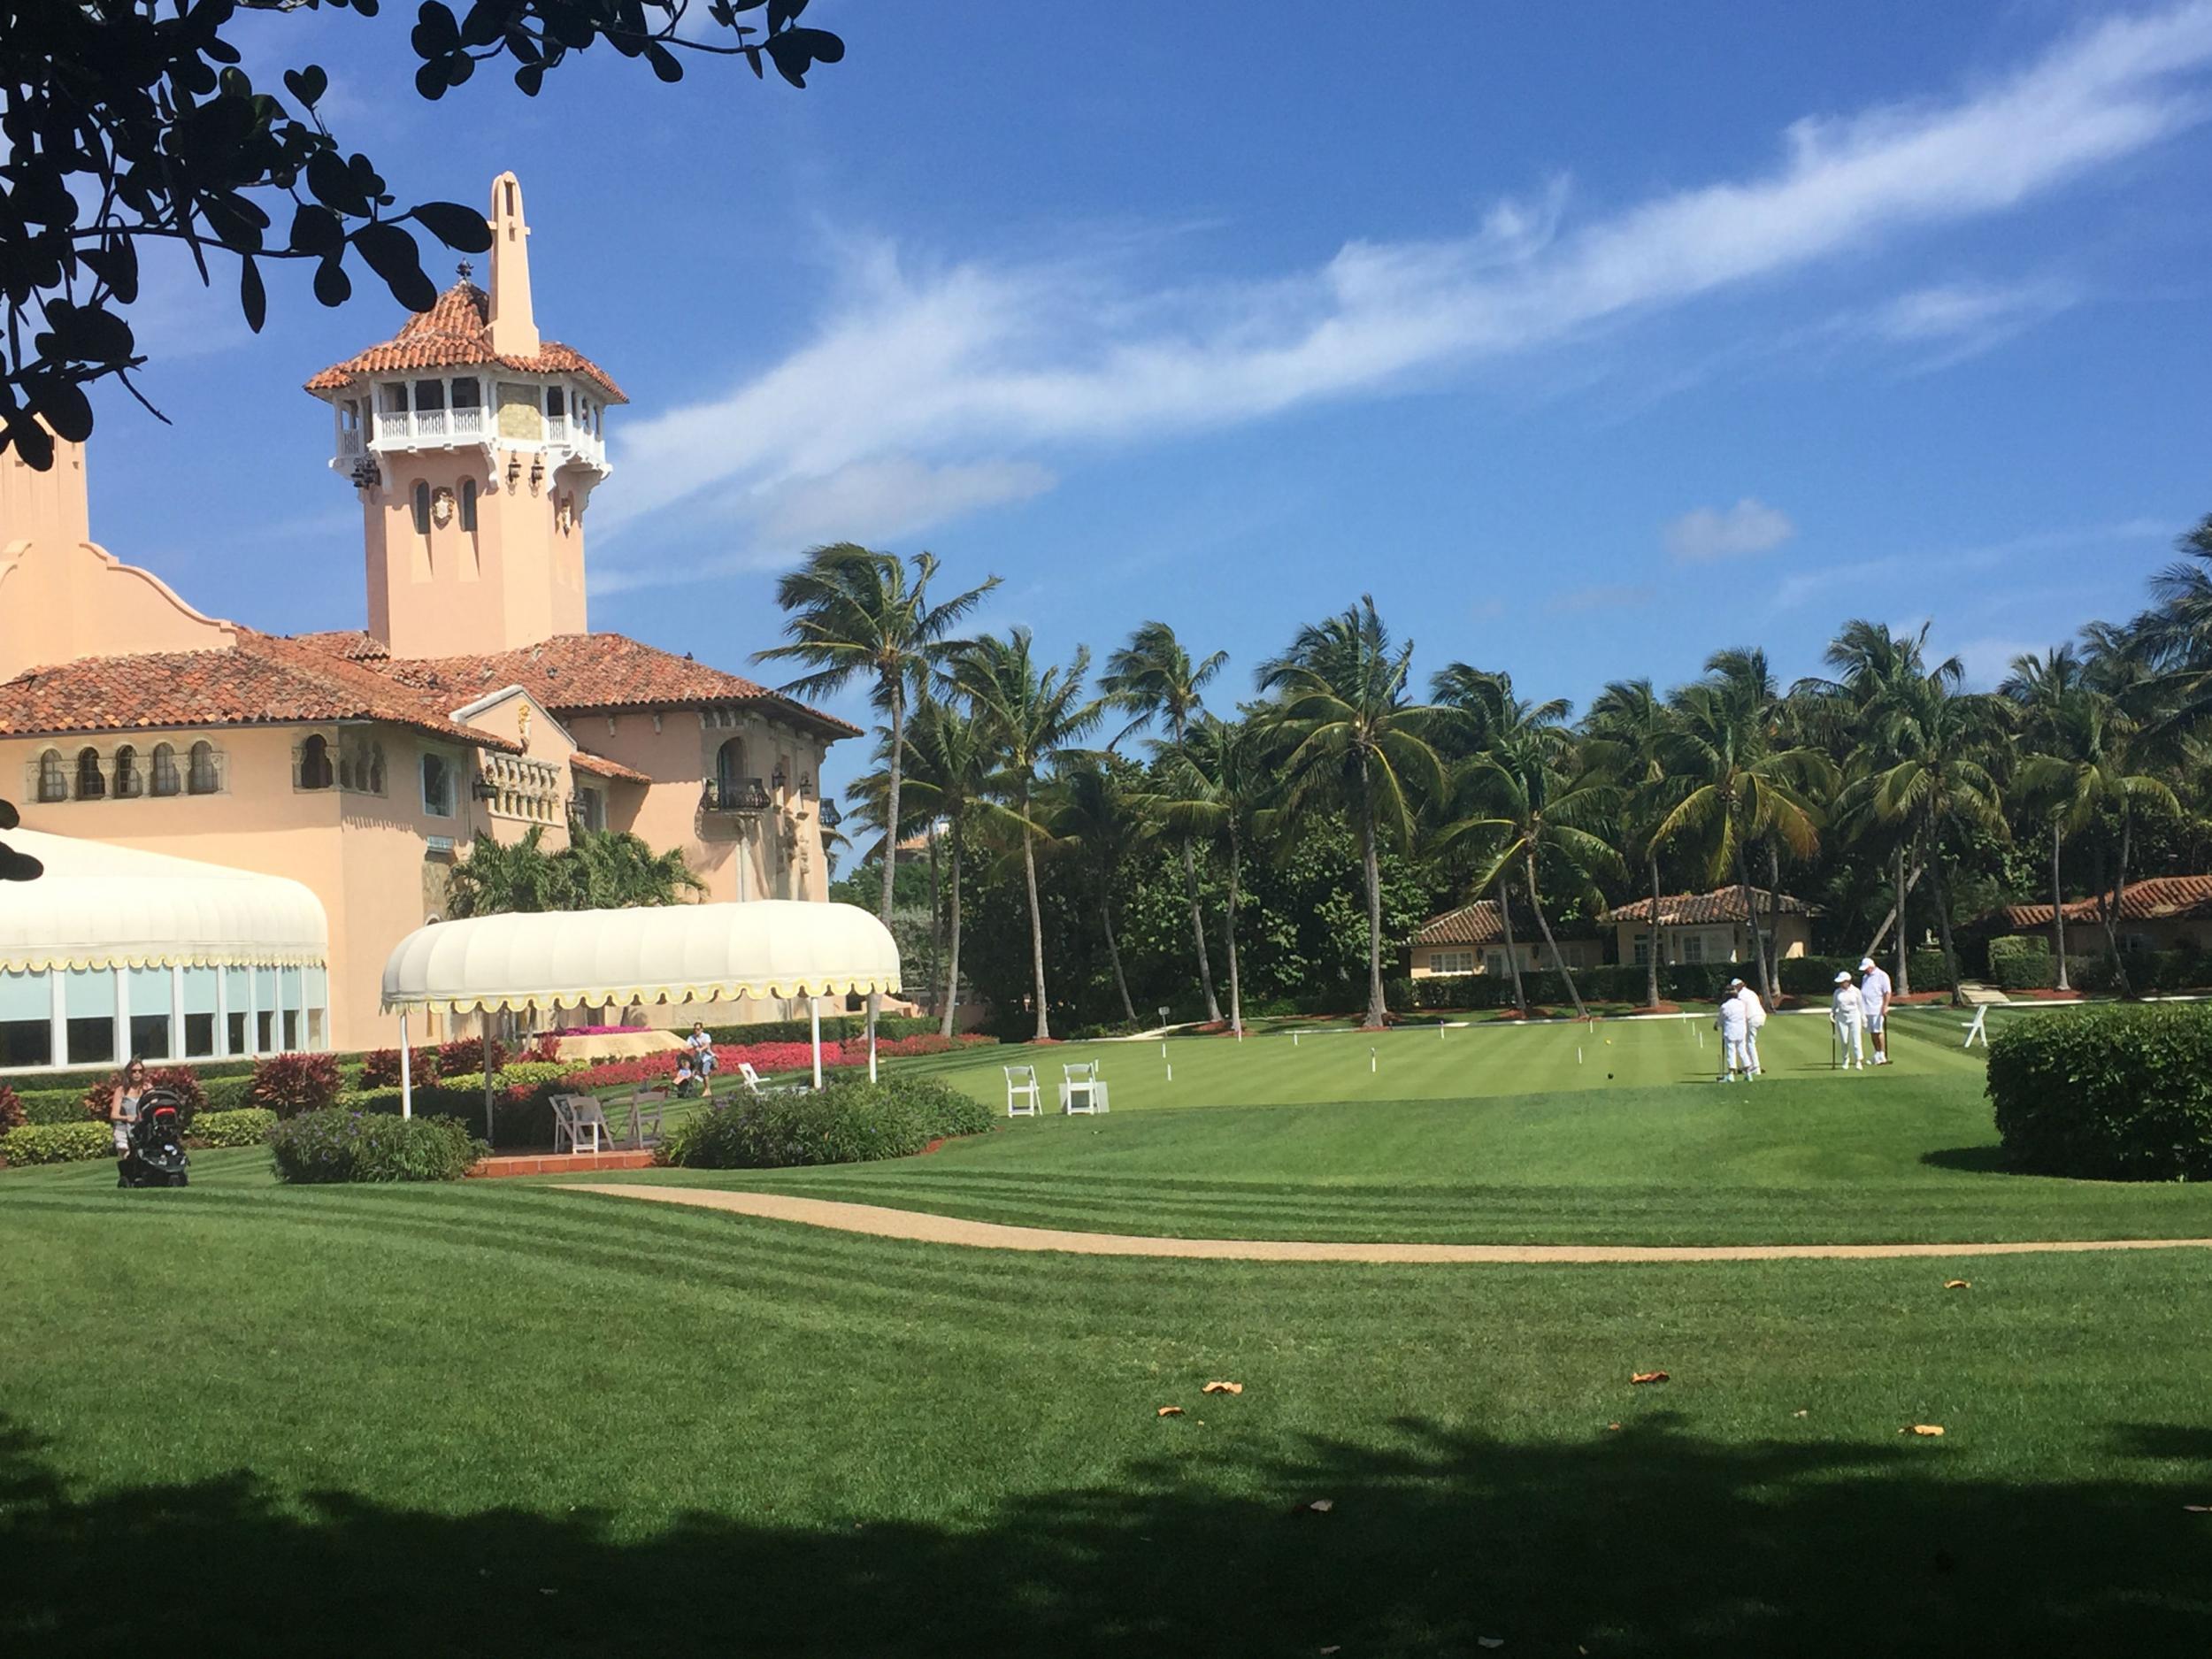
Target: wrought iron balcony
734, 795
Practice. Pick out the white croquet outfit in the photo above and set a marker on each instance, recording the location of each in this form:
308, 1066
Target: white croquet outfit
1847, 1014
1734, 1025
1755, 1017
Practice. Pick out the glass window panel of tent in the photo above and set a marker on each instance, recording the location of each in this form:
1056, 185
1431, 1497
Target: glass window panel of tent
90, 1006
150, 989
27, 1024
200, 986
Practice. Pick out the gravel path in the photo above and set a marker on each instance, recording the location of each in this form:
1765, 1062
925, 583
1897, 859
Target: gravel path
884, 1223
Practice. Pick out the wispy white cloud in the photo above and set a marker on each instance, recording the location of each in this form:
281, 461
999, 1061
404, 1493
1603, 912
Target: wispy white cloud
1872, 575
1714, 533
967, 364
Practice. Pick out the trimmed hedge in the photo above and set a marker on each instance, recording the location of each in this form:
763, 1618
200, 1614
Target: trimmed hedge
522, 1107
247, 1126
336, 1145
1613, 982
850, 1121
58, 1143
2109, 1094
836, 1027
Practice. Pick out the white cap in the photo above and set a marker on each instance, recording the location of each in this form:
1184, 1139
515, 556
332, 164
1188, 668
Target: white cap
1733, 984
1866, 962
1843, 979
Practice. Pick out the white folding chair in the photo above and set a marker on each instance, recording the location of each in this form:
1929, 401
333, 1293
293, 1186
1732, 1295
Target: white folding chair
754, 1086
1081, 1091
564, 1127
1978, 1027
589, 1118
1021, 1091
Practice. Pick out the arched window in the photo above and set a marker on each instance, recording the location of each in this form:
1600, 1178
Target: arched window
53, 776
349, 770
90, 785
376, 769
729, 770
201, 778
315, 762
165, 769
468, 505
422, 508
127, 785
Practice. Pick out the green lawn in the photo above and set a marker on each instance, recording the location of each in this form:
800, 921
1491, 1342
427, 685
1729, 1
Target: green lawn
505, 1418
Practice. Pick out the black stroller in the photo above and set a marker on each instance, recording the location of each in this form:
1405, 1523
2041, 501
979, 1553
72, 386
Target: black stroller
156, 1156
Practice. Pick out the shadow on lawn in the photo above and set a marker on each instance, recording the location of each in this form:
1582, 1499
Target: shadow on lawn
1645, 1540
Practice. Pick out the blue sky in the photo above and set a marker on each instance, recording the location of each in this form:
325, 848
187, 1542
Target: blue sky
1589, 343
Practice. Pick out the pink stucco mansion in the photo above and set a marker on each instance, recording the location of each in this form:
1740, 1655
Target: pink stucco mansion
362, 764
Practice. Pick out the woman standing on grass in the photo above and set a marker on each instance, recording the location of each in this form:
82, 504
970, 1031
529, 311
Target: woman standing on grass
123, 1098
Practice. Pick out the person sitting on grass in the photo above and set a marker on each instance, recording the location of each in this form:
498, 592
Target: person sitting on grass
1845, 1012
1735, 1026
123, 1098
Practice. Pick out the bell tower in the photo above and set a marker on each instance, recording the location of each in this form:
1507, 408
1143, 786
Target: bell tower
473, 445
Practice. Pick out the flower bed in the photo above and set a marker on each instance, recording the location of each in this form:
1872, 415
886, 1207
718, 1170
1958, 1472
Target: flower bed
765, 1058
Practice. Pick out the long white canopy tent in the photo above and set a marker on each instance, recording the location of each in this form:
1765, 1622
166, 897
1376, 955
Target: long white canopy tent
115, 951
654, 955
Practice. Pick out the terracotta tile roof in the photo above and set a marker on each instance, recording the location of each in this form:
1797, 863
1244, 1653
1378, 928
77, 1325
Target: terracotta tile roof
259, 681
578, 673
1478, 923
2158, 899
451, 334
1725, 904
584, 762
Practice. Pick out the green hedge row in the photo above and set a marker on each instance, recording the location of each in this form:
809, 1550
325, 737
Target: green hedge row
335, 1145
58, 1143
1614, 982
851, 1121
247, 1126
2110, 1093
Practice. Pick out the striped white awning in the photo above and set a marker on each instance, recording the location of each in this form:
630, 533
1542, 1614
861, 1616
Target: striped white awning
102, 906
677, 953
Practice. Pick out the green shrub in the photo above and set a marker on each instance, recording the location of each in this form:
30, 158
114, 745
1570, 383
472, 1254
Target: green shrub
851, 1121
247, 1126
1813, 976
2110, 1093
522, 1110
290, 1084
1929, 973
2023, 963
337, 1145
58, 1143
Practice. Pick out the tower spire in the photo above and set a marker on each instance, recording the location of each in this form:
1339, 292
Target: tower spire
514, 330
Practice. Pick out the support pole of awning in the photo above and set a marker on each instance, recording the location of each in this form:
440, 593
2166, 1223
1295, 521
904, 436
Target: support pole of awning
406, 1070
814, 1017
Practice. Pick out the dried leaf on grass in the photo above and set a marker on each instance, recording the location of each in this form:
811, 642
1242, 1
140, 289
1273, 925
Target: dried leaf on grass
1170, 1411
1928, 1429
1322, 1505
1800, 1414
1612, 1427
1223, 1388
1958, 1284
1647, 1377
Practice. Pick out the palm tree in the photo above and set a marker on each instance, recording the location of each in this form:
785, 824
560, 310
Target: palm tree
854, 613
1628, 726
2085, 760
1526, 801
1088, 808
1352, 742
951, 774
598, 869
1931, 748
1737, 787
1217, 785
1152, 678
1027, 717
2053, 701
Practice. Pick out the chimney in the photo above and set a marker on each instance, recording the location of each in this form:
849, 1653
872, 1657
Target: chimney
49, 506
514, 330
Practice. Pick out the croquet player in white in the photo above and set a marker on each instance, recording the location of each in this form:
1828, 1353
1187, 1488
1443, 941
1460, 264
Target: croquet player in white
1735, 1026
1845, 1013
1755, 1013
1874, 1006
